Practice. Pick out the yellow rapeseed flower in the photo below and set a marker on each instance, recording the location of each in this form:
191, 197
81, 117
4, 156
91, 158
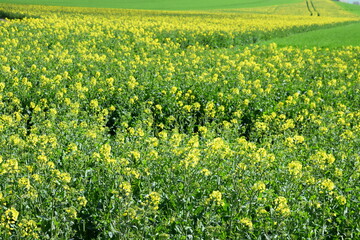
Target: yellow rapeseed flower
259, 186
327, 184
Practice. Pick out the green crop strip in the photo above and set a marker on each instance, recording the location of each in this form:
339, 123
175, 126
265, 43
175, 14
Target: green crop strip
157, 5
335, 37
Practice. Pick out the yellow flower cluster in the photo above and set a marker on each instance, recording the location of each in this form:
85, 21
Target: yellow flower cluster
247, 223
29, 229
154, 200
259, 187
322, 159
126, 187
9, 218
216, 198
295, 168
282, 206
327, 184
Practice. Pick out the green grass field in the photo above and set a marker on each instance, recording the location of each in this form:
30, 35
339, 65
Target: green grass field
331, 38
355, 9
157, 4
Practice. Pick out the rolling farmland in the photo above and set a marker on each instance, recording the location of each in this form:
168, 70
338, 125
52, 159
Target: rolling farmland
226, 123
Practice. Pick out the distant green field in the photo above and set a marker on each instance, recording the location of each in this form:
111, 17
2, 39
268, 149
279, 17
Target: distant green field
355, 9
157, 4
332, 37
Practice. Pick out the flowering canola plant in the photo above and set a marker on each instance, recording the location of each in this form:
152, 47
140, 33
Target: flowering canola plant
143, 124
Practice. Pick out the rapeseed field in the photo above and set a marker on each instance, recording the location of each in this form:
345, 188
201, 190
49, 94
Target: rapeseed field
129, 124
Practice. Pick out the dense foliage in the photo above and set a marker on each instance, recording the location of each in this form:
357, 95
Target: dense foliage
132, 124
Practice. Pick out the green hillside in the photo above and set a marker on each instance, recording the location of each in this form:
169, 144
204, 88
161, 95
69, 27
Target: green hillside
158, 4
323, 8
355, 9
332, 37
